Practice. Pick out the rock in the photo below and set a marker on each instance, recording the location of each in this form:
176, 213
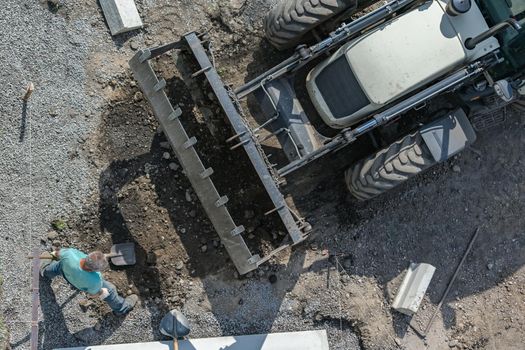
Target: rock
165, 145
151, 258
52, 235
179, 265
251, 236
453, 343
192, 213
173, 166
188, 195
133, 45
248, 214
216, 243
84, 304
138, 96
207, 113
129, 292
204, 248
348, 262
166, 155
456, 168
237, 4
97, 327
490, 266
272, 279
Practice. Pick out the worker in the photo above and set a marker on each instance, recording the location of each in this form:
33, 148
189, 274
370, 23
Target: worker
84, 273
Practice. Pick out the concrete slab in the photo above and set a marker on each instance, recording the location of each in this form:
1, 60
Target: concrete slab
308, 340
413, 288
121, 15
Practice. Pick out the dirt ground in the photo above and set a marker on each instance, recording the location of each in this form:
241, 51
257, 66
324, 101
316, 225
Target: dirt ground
345, 276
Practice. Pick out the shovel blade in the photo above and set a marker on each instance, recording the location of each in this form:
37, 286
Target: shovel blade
124, 254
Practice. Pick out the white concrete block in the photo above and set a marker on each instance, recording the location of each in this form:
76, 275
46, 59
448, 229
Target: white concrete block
413, 288
308, 340
121, 15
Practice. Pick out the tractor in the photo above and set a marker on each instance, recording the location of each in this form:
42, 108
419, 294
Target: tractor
419, 78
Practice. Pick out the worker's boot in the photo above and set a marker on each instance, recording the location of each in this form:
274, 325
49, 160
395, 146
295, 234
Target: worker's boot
130, 301
44, 263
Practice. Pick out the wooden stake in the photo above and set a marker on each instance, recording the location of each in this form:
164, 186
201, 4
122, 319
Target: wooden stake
29, 91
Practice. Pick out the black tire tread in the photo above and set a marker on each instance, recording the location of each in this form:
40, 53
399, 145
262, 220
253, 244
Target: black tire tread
290, 20
388, 167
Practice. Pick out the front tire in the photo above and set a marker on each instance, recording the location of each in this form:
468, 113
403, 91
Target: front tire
291, 20
389, 167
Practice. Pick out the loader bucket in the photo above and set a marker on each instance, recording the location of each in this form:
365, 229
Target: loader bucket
200, 176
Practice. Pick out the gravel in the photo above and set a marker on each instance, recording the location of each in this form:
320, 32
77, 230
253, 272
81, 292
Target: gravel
41, 178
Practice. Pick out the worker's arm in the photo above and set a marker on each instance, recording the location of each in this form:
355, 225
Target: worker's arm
98, 291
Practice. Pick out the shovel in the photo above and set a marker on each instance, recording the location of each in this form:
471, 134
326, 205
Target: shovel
122, 254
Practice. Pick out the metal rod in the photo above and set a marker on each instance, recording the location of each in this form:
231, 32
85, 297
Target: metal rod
235, 136
472, 240
471, 43
272, 119
35, 289
200, 71
269, 136
159, 50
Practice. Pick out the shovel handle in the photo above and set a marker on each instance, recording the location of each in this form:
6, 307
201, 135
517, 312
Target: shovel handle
40, 257
113, 255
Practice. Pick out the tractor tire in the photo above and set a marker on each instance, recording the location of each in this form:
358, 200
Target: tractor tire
291, 20
389, 167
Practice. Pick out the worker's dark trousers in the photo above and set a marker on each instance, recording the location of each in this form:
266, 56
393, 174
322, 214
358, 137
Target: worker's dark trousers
118, 304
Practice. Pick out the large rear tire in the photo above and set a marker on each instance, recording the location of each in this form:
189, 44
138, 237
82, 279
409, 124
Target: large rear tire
291, 20
389, 167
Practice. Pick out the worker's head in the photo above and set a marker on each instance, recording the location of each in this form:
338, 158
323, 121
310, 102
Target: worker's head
96, 261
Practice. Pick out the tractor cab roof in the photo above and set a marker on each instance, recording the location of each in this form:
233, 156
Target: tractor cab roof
394, 59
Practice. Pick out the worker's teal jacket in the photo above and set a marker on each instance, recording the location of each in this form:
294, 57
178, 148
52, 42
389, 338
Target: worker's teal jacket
90, 282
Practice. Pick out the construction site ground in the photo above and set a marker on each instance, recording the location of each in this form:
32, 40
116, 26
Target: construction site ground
82, 165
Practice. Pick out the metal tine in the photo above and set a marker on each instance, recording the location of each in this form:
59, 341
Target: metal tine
273, 210
200, 71
235, 136
240, 144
